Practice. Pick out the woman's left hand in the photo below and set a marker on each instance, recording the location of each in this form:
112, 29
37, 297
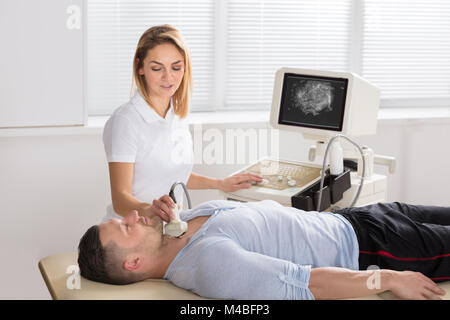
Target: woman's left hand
238, 181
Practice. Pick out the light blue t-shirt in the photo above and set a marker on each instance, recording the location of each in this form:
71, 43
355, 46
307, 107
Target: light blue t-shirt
260, 250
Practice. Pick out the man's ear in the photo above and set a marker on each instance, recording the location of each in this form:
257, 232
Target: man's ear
133, 263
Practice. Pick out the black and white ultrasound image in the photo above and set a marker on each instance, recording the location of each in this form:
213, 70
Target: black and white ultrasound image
311, 102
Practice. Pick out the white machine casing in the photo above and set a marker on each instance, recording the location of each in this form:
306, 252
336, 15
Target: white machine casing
362, 103
255, 193
374, 189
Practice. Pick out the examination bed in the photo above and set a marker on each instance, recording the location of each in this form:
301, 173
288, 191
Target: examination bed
53, 269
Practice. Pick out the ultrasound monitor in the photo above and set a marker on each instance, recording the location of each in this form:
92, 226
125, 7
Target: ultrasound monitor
321, 103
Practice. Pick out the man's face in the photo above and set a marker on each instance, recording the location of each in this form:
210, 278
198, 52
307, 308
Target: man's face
132, 231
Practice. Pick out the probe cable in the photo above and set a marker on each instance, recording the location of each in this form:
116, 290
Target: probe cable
322, 177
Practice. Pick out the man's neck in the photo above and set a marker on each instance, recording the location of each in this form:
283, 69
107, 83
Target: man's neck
171, 246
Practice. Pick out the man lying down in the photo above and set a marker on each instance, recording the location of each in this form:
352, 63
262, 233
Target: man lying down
263, 250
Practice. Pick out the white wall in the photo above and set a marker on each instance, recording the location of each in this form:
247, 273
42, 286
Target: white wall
53, 187
41, 63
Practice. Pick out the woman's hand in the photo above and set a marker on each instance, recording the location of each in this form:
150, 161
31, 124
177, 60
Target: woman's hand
238, 181
161, 207
414, 286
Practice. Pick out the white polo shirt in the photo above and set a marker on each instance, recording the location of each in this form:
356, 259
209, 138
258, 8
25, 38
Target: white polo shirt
160, 148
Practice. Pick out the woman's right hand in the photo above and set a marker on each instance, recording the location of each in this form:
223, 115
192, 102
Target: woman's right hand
162, 207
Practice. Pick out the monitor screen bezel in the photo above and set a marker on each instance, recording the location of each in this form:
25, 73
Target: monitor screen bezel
312, 126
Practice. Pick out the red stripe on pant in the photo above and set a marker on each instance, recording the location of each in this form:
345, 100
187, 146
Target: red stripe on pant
387, 254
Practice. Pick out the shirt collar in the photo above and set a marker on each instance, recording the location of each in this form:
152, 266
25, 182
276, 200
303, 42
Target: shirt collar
148, 113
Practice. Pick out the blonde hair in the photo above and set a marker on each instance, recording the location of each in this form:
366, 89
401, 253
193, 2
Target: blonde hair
151, 38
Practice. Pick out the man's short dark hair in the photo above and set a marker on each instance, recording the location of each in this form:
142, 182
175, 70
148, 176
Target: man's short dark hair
103, 264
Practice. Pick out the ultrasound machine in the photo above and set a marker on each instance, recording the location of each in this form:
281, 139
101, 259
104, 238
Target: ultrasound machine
327, 108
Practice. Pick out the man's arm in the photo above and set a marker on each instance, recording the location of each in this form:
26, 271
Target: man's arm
339, 283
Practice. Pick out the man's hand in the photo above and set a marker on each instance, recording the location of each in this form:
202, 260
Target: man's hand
414, 286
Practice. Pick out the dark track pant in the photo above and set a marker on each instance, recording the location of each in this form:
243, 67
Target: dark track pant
399, 236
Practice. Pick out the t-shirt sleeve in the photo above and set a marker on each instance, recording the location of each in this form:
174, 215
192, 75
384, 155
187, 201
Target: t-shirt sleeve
120, 139
231, 272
